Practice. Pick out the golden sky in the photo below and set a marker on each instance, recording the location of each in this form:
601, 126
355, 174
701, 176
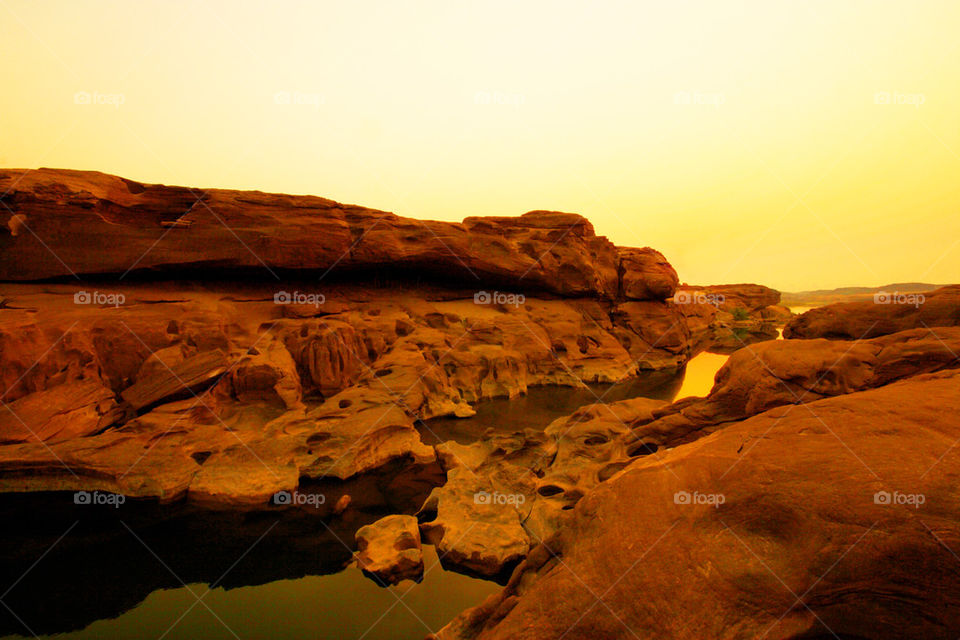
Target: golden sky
796, 144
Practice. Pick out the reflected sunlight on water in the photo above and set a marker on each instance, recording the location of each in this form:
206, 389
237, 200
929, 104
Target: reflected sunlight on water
701, 369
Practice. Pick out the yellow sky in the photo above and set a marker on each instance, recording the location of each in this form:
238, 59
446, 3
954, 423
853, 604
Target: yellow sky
796, 144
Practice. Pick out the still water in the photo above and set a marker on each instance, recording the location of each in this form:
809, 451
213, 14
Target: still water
334, 607
167, 572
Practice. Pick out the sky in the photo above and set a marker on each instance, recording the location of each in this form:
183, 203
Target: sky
799, 145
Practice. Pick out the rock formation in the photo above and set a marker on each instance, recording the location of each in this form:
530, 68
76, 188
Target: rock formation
389, 549
724, 318
136, 382
885, 313
552, 470
506, 493
177, 230
837, 518
770, 374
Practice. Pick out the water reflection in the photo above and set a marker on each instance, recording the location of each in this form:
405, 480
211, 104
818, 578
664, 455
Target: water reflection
699, 374
343, 605
112, 559
541, 405
102, 581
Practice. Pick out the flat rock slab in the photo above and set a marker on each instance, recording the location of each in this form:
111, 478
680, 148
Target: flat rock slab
177, 382
71, 410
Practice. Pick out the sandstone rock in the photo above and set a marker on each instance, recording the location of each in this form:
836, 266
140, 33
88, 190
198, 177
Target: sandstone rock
342, 504
654, 333
268, 374
365, 375
776, 314
590, 448
884, 315
353, 432
161, 229
777, 373
724, 318
69, 410
791, 524
476, 519
646, 274
750, 297
509, 492
330, 354
389, 550
241, 475
112, 461
182, 380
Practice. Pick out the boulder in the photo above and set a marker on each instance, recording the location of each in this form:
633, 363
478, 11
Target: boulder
646, 274
389, 550
509, 492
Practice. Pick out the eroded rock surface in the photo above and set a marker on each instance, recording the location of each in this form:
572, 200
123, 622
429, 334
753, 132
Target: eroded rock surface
800, 522
172, 230
551, 471
770, 374
227, 397
507, 493
725, 318
69, 410
389, 549
886, 313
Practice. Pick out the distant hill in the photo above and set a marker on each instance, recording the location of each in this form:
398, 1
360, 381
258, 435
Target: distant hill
819, 297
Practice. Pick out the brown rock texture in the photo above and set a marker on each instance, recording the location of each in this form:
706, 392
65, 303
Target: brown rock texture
181, 381
833, 519
552, 470
646, 274
63, 217
886, 313
725, 318
225, 397
507, 493
70, 410
771, 374
389, 550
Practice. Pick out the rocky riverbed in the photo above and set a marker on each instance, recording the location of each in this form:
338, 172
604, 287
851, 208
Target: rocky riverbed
500, 393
